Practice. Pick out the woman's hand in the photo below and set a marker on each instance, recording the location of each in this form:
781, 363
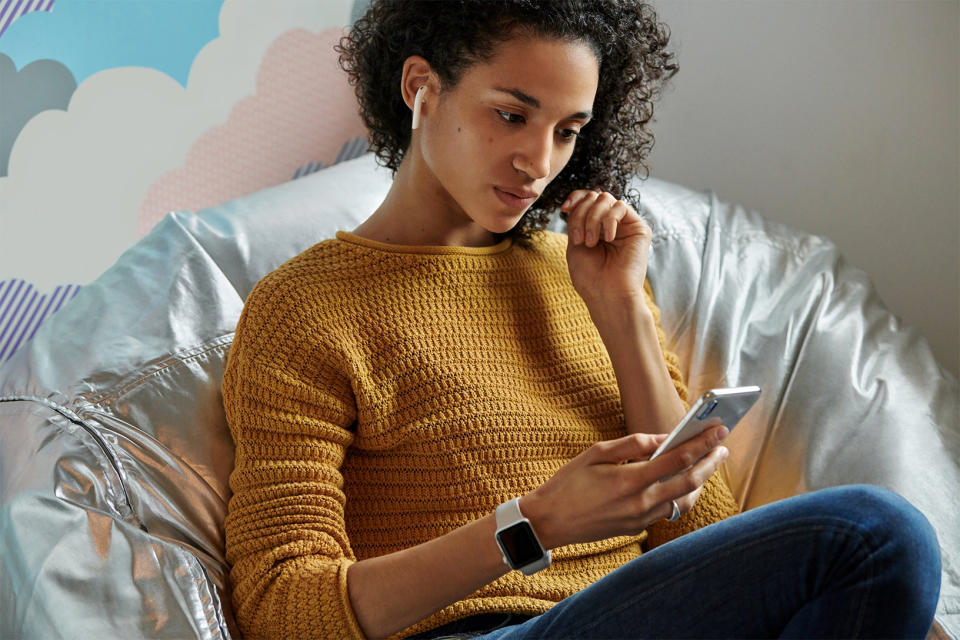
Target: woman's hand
611, 489
607, 248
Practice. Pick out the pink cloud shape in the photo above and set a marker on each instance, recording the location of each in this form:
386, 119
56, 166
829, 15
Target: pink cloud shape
304, 110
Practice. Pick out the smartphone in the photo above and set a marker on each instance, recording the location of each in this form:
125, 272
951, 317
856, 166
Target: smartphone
717, 406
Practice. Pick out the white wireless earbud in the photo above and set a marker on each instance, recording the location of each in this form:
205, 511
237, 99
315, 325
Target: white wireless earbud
416, 107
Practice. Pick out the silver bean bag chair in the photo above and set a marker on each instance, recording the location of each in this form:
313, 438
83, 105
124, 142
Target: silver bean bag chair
114, 451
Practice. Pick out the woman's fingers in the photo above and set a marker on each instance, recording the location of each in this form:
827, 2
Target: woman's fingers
685, 504
677, 473
596, 213
574, 198
685, 487
610, 222
636, 446
686, 454
593, 215
577, 206
601, 493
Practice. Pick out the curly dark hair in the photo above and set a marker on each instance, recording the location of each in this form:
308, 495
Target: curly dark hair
629, 42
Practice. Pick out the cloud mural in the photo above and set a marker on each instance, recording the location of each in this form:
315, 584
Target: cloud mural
79, 159
303, 109
41, 85
127, 128
88, 36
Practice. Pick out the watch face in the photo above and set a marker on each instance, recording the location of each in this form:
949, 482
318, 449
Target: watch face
520, 544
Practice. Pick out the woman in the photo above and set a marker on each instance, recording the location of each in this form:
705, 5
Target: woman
448, 393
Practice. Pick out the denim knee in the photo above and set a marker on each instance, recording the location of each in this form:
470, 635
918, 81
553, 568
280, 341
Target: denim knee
893, 515
901, 533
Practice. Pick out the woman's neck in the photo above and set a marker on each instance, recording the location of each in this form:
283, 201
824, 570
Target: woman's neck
416, 211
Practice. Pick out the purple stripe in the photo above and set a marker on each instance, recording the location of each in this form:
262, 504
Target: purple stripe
3, 10
72, 296
63, 295
8, 290
16, 313
8, 17
44, 314
16, 328
17, 11
6, 310
26, 327
62, 298
13, 14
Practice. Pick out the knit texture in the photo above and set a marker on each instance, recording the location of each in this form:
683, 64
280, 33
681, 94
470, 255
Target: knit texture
381, 396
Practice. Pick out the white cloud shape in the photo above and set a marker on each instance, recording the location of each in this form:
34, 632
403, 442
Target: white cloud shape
69, 205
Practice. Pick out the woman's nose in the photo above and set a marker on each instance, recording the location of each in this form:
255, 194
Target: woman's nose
534, 158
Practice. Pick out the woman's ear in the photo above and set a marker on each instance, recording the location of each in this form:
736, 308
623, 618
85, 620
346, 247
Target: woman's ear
418, 73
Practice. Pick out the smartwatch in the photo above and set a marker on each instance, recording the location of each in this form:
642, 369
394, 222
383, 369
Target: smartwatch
515, 536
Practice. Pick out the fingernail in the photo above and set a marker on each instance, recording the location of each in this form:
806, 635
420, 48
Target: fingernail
724, 452
591, 237
577, 236
722, 432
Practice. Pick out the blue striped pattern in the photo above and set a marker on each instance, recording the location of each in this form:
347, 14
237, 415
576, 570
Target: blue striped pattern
10, 10
352, 149
22, 310
307, 169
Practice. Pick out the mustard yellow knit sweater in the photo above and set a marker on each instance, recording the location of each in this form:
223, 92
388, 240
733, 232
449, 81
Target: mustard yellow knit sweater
381, 396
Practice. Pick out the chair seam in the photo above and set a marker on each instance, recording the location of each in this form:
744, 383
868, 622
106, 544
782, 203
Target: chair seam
105, 398
100, 441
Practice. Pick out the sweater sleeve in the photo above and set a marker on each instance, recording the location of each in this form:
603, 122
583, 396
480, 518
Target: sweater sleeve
716, 501
290, 412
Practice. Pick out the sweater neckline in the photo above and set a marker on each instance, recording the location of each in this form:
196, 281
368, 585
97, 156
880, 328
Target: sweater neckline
501, 247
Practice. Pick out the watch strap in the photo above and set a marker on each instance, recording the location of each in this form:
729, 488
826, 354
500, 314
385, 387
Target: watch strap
508, 513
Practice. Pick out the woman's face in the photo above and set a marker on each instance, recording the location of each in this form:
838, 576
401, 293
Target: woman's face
508, 127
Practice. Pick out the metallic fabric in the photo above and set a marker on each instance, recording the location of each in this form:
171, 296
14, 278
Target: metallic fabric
114, 451
850, 394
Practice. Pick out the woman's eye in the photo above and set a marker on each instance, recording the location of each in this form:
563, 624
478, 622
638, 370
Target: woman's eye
506, 115
569, 134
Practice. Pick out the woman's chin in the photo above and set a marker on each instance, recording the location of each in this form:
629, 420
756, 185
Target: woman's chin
501, 224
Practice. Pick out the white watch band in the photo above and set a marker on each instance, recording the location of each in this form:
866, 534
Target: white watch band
509, 513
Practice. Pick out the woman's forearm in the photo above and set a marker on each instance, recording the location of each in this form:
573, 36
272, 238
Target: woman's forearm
650, 400
389, 593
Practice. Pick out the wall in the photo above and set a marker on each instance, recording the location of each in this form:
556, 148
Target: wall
838, 118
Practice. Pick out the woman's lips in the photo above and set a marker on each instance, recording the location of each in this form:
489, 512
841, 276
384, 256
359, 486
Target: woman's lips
513, 201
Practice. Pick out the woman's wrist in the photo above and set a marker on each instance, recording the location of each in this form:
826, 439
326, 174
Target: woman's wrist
613, 317
541, 519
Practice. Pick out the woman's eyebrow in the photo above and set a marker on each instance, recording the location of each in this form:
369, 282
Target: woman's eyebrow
526, 98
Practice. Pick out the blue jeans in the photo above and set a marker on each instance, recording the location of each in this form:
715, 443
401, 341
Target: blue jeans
846, 562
